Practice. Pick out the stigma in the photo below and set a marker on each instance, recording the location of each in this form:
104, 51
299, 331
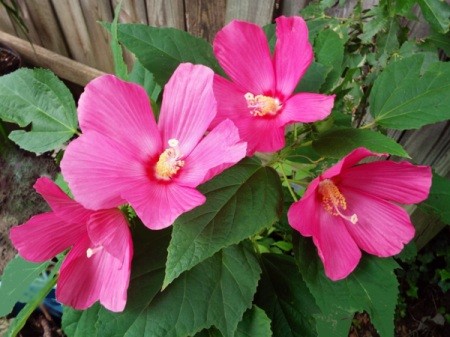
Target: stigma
169, 162
91, 251
333, 201
261, 105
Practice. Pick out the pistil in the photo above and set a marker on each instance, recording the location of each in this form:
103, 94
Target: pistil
334, 201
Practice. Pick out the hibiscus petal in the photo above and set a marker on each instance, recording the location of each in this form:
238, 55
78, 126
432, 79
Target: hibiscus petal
293, 53
98, 169
220, 149
243, 52
44, 236
159, 204
306, 108
349, 160
399, 182
188, 106
63, 206
109, 228
84, 280
119, 110
302, 215
260, 133
382, 228
337, 249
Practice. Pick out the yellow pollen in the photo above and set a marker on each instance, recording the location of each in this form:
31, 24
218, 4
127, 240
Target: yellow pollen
261, 105
169, 162
333, 200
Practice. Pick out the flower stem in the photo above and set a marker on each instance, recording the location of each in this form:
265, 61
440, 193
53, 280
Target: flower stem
283, 173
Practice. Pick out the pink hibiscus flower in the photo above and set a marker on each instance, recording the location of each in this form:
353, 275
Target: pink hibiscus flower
123, 156
352, 207
260, 99
98, 264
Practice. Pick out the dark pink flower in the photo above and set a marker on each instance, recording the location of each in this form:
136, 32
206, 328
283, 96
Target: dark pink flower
353, 206
98, 264
123, 156
260, 99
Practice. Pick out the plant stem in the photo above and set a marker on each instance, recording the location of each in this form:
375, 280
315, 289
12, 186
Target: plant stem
287, 182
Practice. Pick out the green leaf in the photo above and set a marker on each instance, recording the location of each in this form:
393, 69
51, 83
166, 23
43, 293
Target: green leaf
339, 142
215, 292
441, 41
378, 23
388, 42
80, 323
329, 49
239, 203
161, 50
120, 68
269, 30
439, 198
437, 13
283, 295
314, 78
372, 287
255, 323
402, 99
38, 97
16, 278
142, 76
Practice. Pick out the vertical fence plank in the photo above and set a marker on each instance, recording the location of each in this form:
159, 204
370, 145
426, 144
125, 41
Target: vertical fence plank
293, 7
166, 13
259, 12
32, 33
75, 31
5, 22
133, 11
205, 18
46, 25
95, 12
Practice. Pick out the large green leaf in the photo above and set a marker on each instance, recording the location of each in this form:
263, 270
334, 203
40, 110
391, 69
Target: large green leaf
314, 78
16, 279
339, 142
39, 98
402, 99
215, 292
81, 323
161, 50
329, 50
437, 13
255, 323
239, 203
283, 295
372, 287
439, 199
142, 76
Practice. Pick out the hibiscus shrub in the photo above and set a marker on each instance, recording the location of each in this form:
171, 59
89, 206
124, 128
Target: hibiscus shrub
259, 195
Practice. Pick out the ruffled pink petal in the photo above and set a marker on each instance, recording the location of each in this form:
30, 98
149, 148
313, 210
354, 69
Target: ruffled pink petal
337, 249
293, 53
84, 280
188, 106
109, 229
243, 52
306, 108
119, 110
98, 169
349, 160
382, 228
399, 182
260, 133
302, 215
220, 149
64, 207
159, 204
44, 236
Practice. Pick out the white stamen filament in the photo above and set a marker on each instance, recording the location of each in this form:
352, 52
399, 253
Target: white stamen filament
92, 251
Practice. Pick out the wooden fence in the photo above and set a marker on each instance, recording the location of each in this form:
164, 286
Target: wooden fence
69, 32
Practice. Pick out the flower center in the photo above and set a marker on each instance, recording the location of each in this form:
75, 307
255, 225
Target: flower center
334, 202
169, 162
261, 105
92, 251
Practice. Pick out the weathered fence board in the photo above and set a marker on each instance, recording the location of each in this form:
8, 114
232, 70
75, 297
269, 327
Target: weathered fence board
260, 12
5, 22
168, 13
205, 18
